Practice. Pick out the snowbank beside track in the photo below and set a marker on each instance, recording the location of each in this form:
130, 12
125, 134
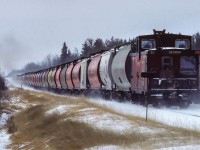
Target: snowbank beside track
185, 118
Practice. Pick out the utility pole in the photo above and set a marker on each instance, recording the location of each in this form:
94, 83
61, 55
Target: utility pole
146, 103
147, 76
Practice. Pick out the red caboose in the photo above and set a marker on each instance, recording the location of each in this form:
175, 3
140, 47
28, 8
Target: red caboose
165, 69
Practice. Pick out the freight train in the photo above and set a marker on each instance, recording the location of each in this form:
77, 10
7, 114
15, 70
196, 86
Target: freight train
160, 69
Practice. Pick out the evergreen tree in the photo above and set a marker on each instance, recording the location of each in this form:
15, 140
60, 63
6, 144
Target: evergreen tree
112, 42
196, 40
87, 47
69, 56
98, 45
64, 53
2, 84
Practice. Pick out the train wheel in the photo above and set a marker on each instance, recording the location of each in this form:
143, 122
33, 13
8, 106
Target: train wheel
196, 99
184, 104
157, 104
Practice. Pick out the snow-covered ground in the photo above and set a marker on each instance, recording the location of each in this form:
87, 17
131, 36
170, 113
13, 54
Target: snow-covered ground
182, 118
188, 147
119, 124
61, 109
4, 136
106, 147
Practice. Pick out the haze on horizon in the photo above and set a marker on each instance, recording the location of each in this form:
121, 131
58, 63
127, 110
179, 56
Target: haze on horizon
32, 29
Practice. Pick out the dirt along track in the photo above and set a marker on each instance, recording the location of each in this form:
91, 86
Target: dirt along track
50, 121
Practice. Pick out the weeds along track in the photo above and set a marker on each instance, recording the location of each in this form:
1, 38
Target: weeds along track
51, 121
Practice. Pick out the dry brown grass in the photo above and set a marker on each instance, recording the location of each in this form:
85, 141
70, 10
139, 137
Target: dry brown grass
180, 136
60, 132
37, 130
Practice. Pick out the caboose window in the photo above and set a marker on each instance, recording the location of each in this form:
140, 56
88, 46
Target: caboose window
148, 43
167, 63
182, 43
188, 65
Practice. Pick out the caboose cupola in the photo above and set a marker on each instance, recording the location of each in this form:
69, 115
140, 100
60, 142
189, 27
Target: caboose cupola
160, 39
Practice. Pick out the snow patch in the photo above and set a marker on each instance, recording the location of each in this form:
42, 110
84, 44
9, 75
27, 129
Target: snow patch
61, 109
86, 109
115, 123
188, 147
4, 139
17, 102
4, 136
175, 117
105, 121
3, 119
106, 147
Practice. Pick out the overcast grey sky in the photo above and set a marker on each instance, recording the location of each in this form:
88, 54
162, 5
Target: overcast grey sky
32, 29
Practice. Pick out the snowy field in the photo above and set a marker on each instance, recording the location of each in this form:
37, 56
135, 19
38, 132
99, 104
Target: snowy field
173, 117
182, 118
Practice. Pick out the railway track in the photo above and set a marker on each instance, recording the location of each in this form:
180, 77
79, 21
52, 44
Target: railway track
189, 112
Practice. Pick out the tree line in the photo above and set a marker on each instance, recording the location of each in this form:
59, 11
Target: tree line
88, 47
66, 55
3, 86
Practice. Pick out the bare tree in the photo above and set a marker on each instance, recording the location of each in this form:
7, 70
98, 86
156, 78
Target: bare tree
55, 60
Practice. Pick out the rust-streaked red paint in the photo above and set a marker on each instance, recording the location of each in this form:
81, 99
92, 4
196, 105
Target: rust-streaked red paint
76, 75
58, 84
93, 70
69, 76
